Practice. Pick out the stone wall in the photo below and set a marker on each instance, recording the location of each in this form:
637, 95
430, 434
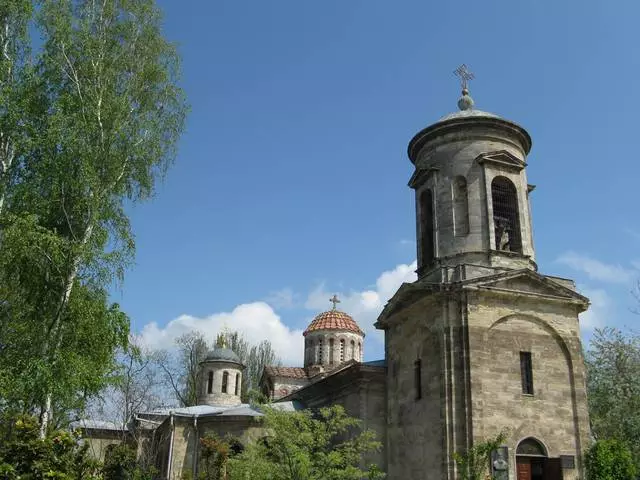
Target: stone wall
312, 348
187, 433
217, 397
100, 440
283, 386
415, 427
500, 327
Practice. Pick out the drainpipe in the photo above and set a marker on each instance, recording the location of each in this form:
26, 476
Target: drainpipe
170, 460
195, 447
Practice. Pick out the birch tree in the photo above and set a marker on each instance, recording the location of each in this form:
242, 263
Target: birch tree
111, 119
14, 48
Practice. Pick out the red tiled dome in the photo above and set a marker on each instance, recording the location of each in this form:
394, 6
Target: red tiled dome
333, 320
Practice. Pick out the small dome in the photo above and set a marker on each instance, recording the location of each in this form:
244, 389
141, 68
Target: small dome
471, 113
222, 355
333, 320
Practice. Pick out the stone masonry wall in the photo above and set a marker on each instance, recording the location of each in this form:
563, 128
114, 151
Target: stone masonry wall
415, 429
500, 327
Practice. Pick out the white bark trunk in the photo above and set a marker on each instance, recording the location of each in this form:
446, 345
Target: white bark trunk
45, 415
55, 333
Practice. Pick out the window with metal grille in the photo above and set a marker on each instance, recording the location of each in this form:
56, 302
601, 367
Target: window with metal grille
225, 382
427, 242
506, 220
417, 371
526, 373
460, 206
210, 383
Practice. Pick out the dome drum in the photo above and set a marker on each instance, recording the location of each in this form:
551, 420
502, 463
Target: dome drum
333, 338
220, 380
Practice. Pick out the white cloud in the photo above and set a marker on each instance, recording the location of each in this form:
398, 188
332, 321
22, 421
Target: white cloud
599, 312
257, 321
284, 298
595, 269
365, 306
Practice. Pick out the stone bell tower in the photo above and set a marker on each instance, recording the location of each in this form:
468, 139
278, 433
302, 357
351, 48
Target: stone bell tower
481, 342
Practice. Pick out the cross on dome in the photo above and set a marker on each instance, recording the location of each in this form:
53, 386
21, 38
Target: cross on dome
465, 75
335, 300
465, 102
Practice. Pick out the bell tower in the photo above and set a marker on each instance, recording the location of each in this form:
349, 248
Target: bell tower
481, 343
472, 196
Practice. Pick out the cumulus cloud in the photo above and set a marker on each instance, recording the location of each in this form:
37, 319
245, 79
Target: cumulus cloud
595, 269
257, 321
364, 306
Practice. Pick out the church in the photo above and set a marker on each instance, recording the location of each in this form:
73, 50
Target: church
480, 343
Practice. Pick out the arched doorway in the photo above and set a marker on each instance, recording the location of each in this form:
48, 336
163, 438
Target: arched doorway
533, 462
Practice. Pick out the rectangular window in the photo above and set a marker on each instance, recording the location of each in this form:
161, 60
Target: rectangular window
417, 367
526, 372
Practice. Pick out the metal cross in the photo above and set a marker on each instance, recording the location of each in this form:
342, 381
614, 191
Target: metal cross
464, 74
335, 301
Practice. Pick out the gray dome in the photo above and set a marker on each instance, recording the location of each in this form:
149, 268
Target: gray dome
222, 355
467, 114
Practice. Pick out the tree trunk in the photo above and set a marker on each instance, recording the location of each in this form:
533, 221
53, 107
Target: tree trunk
55, 331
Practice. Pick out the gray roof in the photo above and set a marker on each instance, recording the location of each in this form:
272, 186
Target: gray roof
97, 425
472, 113
222, 355
243, 409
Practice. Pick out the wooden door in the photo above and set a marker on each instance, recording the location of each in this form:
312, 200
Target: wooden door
553, 469
523, 468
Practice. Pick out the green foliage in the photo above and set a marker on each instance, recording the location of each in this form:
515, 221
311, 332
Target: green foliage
122, 464
182, 371
613, 387
610, 460
214, 455
254, 357
24, 456
475, 462
90, 125
305, 446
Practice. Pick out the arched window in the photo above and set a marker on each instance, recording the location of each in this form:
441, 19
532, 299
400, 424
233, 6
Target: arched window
506, 220
427, 241
460, 199
225, 382
237, 384
359, 351
342, 350
531, 447
331, 351
353, 349
320, 356
210, 383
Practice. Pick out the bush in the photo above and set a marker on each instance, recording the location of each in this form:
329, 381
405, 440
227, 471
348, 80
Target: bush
122, 464
610, 460
23, 455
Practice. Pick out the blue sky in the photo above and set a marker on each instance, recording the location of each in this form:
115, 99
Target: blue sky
290, 183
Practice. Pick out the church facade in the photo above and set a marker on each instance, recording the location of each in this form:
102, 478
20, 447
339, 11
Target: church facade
481, 343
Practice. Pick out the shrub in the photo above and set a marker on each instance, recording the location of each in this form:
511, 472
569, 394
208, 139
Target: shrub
610, 460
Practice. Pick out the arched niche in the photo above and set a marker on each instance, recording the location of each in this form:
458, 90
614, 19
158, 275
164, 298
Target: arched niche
531, 447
